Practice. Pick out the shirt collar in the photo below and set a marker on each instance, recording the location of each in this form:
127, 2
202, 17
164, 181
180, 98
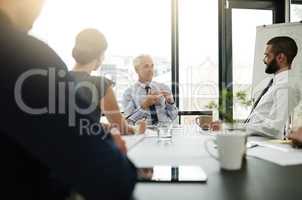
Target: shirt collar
143, 85
280, 76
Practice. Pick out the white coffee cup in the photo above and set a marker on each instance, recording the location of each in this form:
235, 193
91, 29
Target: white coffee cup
231, 149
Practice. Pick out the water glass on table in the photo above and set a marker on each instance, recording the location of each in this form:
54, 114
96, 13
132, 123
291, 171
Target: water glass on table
164, 131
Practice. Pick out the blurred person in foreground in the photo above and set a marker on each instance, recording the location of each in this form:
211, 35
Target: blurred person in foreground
46, 152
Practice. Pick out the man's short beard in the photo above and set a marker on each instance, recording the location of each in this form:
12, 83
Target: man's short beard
272, 67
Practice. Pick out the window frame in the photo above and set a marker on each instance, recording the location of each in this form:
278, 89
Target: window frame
296, 2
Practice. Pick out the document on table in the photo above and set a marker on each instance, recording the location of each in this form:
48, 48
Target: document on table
133, 140
150, 133
277, 151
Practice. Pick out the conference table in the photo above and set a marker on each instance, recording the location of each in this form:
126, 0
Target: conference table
258, 179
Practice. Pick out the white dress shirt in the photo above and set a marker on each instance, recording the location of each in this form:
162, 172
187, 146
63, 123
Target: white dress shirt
273, 110
136, 94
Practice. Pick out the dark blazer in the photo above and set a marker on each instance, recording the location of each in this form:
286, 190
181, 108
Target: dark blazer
43, 156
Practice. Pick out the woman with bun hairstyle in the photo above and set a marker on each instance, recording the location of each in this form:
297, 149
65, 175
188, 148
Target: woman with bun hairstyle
88, 52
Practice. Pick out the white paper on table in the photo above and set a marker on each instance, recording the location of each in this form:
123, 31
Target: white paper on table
273, 145
133, 140
281, 154
150, 133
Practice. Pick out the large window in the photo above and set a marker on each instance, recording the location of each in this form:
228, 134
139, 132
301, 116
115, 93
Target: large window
243, 37
296, 12
198, 54
132, 27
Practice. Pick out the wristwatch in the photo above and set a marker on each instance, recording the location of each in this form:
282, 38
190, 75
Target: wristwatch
170, 103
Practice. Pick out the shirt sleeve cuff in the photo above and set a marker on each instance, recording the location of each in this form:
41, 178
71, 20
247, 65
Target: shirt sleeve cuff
170, 106
138, 114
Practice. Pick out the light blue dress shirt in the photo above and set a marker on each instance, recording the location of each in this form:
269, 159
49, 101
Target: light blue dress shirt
136, 94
